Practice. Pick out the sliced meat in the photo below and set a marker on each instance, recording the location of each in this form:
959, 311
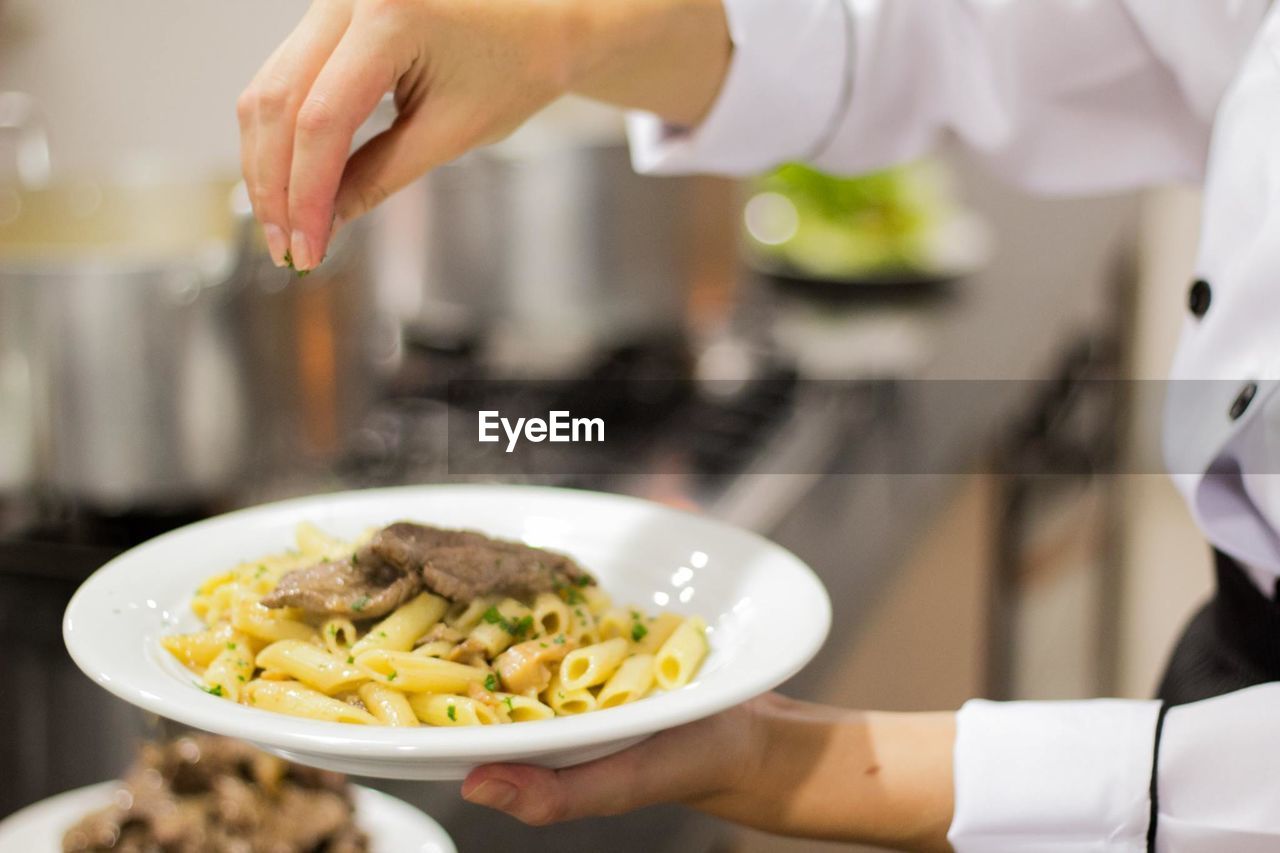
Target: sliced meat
403, 557
361, 588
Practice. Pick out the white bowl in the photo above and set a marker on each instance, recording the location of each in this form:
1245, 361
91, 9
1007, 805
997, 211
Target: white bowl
392, 826
767, 612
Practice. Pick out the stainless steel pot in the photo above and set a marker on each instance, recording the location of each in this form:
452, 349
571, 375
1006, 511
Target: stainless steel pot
549, 249
150, 353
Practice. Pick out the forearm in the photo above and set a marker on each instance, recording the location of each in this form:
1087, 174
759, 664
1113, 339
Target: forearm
667, 57
878, 778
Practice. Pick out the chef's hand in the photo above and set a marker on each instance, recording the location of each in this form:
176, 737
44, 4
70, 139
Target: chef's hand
779, 765
464, 74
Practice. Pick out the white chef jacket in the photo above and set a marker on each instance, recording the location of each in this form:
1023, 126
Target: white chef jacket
1072, 96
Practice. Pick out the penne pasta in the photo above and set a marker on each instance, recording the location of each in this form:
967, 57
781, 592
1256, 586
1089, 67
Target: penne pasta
291, 697
198, 650
436, 709
468, 616
500, 626
339, 636
521, 709
656, 632
567, 702
411, 673
312, 665
404, 626
231, 670
592, 665
582, 626
632, 680
390, 707
597, 600
550, 614
614, 622
250, 617
681, 654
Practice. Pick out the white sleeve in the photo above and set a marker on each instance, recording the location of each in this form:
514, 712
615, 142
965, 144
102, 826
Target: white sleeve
1076, 776
1034, 777
1059, 95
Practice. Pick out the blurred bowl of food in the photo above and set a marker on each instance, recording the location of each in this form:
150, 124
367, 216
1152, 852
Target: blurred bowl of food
899, 226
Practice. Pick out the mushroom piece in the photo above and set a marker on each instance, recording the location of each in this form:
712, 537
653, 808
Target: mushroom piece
525, 668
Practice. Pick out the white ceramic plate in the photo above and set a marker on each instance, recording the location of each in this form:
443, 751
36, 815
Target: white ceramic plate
768, 615
393, 826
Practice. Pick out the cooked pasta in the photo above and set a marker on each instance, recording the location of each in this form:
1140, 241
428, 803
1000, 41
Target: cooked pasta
428, 656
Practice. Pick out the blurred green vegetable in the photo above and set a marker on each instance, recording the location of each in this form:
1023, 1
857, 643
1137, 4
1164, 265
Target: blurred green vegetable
878, 224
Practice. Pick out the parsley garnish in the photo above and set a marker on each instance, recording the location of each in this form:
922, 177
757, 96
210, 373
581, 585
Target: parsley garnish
518, 628
240, 678
215, 690
231, 646
559, 640
360, 603
637, 632
491, 682
510, 705
583, 581
351, 659
392, 676
452, 712
288, 259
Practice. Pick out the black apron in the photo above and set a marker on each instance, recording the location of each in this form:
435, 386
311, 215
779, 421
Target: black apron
1233, 642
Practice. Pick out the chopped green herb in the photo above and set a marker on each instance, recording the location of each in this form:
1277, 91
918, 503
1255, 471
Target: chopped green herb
231, 646
518, 628
360, 603
333, 630
215, 690
543, 645
351, 659
510, 705
392, 676
638, 631
559, 640
288, 259
240, 678
452, 712
262, 570
572, 596
491, 682
382, 633
583, 581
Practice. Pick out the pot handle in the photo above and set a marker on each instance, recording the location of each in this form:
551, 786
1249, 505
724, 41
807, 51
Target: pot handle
20, 113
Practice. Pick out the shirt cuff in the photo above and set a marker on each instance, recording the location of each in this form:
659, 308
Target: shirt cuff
789, 79
1033, 777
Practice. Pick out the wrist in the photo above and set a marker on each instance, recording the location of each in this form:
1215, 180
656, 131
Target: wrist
668, 57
